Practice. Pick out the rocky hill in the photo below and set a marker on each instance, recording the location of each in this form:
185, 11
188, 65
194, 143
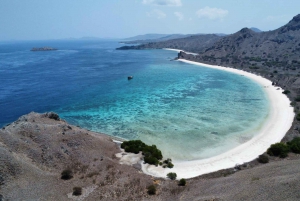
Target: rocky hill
273, 54
194, 43
152, 40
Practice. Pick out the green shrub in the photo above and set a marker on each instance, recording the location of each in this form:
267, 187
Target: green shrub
67, 174
278, 149
294, 145
77, 191
297, 99
152, 151
170, 165
293, 103
151, 190
133, 146
151, 160
182, 182
172, 175
263, 159
286, 92
298, 116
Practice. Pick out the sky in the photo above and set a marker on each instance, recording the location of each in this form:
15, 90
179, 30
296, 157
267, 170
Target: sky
60, 19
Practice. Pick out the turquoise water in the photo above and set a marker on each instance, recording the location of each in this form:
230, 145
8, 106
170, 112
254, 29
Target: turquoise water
189, 112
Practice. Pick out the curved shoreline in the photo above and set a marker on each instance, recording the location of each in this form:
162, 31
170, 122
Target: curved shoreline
278, 122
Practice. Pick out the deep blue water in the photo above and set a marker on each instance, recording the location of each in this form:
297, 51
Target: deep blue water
190, 112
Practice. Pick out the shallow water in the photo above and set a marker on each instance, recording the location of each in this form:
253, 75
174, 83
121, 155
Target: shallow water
189, 112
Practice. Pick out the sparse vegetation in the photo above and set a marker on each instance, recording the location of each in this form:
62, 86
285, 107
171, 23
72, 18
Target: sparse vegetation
77, 191
67, 174
172, 175
182, 182
279, 149
263, 159
152, 155
151, 190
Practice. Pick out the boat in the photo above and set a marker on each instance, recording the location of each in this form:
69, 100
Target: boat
130, 77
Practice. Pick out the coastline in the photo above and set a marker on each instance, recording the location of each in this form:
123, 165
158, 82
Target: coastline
276, 125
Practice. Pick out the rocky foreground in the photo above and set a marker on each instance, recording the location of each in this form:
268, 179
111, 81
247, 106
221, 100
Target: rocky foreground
37, 148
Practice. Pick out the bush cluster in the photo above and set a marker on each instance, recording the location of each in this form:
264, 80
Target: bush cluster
282, 150
152, 155
294, 145
279, 149
167, 163
133, 146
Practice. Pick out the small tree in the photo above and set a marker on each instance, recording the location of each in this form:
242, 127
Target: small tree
151, 190
182, 182
172, 175
67, 174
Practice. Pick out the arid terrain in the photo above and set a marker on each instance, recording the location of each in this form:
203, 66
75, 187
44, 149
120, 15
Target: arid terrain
37, 148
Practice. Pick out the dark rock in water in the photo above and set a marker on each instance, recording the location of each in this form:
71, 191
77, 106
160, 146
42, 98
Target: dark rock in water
52, 115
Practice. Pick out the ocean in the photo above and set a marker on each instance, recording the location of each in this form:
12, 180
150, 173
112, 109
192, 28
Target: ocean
190, 112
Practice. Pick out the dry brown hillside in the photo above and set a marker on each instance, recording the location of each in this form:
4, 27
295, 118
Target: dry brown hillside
37, 148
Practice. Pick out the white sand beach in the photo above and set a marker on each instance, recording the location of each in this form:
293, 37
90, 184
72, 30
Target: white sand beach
278, 122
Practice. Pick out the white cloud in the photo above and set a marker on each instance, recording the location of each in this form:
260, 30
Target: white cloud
157, 14
179, 15
212, 13
163, 2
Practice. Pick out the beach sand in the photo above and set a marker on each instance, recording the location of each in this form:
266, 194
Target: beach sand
278, 122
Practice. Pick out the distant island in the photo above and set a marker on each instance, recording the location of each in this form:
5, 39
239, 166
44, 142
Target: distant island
43, 49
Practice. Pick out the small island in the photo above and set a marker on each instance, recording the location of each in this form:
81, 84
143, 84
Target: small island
43, 49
